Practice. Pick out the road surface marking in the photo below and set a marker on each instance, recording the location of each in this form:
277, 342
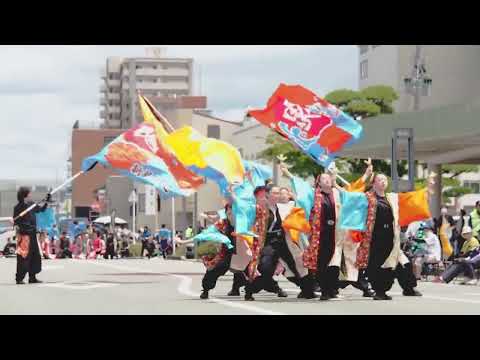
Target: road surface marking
185, 288
444, 298
73, 285
52, 267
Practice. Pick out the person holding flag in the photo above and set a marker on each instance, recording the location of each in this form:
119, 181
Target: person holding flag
379, 251
342, 253
278, 247
28, 252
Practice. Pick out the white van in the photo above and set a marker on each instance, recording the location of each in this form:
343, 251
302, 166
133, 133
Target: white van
7, 233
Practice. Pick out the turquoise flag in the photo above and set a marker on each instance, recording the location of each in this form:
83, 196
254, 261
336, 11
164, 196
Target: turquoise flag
260, 172
45, 219
354, 211
244, 209
212, 234
222, 214
304, 195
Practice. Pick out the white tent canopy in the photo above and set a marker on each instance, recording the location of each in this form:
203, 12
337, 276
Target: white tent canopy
108, 219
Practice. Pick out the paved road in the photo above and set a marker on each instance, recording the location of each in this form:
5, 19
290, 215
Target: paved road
160, 286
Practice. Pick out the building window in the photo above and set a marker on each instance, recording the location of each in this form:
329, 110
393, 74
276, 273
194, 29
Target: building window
474, 185
213, 131
82, 211
110, 103
363, 49
375, 46
364, 69
136, 209
138, 67
154, 67
141, 203
108, 139
110, 89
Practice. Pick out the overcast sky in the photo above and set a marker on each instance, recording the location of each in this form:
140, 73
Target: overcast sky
44, 89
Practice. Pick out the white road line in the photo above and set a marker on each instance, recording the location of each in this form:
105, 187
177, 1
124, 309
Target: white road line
185, 288
444, 298
77, 286
52, 267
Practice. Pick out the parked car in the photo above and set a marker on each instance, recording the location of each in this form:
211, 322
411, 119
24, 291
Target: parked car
7, 237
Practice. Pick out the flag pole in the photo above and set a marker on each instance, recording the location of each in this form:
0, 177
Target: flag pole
343, 180
173, 226
331, 168
161, 117
68, 181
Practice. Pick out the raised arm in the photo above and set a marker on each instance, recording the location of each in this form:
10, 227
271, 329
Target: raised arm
285, 171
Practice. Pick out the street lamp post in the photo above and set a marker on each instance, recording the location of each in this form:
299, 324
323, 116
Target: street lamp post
419, 83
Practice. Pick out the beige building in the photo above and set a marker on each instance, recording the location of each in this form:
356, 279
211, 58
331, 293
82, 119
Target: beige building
453, 69
455, 88
155, 75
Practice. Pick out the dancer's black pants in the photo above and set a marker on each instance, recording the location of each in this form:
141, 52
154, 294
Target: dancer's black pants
382, 279
210, 278
275, 250
362, 283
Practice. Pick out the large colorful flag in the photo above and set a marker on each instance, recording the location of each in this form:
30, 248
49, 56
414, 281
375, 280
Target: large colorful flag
313, 125
205, 157
211, 158
133, 154
186, 178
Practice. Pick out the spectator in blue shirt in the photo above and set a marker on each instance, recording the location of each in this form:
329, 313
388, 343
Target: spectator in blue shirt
165, 236
145, 236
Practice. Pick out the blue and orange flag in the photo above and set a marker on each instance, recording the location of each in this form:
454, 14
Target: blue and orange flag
309, 122
134, 154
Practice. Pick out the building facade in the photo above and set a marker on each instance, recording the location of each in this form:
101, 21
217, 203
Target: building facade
155, 75
86, 142
452, 68
455, 81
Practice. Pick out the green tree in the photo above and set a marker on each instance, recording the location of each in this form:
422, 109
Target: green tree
382, 96
451, 186
342, 97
